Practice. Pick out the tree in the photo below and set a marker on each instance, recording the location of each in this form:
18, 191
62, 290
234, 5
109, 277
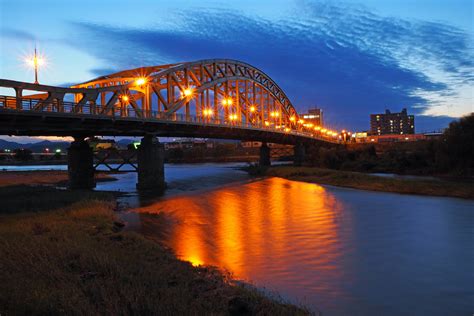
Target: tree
23, 154
456, 149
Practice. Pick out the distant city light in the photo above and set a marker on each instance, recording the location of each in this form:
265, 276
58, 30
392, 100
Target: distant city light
58, 151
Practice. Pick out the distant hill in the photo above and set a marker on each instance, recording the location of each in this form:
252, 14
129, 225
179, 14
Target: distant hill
4, 144
35, 147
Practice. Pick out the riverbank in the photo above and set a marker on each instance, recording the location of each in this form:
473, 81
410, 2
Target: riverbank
66, 252
369, 182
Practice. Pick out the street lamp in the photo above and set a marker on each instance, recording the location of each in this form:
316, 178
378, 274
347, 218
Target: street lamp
35, 61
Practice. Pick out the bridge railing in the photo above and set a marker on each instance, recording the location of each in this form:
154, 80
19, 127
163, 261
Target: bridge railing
63, 107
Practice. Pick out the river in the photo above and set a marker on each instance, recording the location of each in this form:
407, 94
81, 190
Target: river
337, 250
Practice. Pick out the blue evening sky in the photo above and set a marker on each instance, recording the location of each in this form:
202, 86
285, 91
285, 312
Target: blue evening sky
351, 58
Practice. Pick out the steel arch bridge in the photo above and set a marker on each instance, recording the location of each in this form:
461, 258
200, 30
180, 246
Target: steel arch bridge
198, 98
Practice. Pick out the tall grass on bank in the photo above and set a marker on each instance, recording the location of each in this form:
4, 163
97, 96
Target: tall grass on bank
77, 260
23, 198
374, 183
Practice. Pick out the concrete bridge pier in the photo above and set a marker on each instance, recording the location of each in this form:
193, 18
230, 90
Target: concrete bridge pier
300, 152
264, 155
80, 165
151, 168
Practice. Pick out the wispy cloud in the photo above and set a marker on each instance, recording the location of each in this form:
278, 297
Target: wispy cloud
18, 34
342, 57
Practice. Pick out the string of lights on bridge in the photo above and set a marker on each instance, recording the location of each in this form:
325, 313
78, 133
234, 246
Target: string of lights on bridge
228, 102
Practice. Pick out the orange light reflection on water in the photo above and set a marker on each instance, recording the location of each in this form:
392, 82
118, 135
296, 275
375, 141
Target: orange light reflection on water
256, 230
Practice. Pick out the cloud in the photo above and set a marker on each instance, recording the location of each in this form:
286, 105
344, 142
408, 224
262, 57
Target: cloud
18, 34
341, 57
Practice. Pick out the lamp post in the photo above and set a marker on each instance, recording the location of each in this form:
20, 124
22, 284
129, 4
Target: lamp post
35, 64
35, 61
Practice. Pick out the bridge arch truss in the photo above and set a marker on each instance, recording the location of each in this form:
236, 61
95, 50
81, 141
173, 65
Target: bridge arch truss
217, 91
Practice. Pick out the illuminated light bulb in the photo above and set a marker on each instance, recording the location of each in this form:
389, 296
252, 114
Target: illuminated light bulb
140, 81
267, 123
125, 98
292, 119
252, 109
187, 92
287, 129
208, 112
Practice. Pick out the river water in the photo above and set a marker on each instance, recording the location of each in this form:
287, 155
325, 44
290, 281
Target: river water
337, 250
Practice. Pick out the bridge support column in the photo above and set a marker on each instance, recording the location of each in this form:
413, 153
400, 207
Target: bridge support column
80, 165
264, 155
300, 152
151, 168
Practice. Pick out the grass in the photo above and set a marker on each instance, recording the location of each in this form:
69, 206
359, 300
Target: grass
46, 177
66, 253
374, 183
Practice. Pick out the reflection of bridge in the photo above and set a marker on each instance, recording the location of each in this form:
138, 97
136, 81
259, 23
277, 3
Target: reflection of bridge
209, 98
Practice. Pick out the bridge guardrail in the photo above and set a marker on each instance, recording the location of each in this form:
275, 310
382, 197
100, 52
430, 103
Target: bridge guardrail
64, 107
